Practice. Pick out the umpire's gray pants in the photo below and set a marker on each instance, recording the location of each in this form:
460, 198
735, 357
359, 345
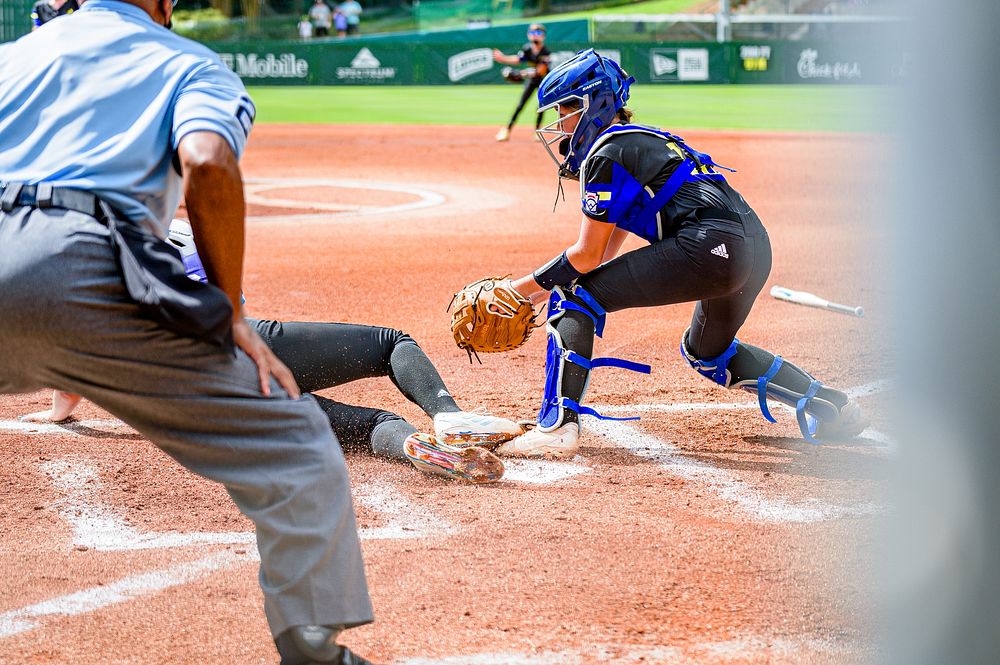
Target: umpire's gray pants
67, 322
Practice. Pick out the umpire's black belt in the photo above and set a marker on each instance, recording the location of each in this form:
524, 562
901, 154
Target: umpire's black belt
44, 195
151, 268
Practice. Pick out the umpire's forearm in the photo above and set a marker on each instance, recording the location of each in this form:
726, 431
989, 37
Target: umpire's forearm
213, 193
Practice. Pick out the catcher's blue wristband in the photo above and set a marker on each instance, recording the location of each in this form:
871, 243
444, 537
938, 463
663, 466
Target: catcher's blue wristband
557, 272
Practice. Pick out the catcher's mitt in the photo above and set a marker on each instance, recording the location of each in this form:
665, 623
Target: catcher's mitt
491, 316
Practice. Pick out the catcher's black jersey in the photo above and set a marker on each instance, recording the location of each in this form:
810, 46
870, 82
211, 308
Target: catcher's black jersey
43, 12
630, 167
529, 57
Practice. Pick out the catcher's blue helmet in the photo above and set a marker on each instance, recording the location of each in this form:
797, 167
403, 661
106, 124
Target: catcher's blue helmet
595, 84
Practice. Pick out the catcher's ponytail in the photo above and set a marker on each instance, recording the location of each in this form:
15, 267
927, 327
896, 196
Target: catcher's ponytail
625, 115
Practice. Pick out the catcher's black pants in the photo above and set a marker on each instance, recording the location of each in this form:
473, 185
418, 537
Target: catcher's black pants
324, 355
722, 264
530, 86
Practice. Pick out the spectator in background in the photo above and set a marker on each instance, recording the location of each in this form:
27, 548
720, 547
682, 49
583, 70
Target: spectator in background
305, 28
321, 18
340, 23
352, 10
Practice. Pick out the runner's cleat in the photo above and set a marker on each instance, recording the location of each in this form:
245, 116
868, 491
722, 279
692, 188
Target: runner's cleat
849, 423
472, 464
503, 135
560, 443
470, 428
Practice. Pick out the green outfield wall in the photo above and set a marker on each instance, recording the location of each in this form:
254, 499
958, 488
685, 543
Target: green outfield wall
432, 62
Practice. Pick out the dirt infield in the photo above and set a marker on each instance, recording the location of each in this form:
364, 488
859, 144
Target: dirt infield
700, 533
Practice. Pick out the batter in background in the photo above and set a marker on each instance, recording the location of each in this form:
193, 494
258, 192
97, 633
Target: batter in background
536, 56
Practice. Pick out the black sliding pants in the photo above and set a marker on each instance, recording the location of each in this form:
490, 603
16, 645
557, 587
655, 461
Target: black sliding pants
324, 355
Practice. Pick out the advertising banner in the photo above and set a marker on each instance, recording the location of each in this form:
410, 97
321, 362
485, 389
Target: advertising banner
471, 63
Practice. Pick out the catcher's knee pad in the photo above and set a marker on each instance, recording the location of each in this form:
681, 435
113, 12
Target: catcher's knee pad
739, 367
557, 355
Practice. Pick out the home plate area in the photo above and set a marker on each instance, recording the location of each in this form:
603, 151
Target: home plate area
394, 504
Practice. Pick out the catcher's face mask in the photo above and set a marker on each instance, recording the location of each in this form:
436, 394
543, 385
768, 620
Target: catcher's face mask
559, 133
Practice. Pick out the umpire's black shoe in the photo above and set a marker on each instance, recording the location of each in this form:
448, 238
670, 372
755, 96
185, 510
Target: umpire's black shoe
315, 645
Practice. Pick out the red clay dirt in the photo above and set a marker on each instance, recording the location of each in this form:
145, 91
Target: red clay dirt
644, 557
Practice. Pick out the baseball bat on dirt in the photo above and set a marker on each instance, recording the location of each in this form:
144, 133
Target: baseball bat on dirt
812, 300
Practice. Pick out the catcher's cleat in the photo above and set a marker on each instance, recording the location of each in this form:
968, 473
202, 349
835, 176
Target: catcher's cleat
849, 423
471, 464
312, 645
469, 428
560, 443
503, 135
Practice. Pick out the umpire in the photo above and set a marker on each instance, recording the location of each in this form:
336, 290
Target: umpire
103, 125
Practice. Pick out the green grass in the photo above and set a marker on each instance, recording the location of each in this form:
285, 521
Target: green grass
760, 107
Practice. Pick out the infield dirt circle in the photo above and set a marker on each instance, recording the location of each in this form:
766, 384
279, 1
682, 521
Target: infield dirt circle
700, 533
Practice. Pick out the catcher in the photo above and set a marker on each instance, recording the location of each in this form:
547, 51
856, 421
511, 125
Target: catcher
536, 56
324, 355
705, 245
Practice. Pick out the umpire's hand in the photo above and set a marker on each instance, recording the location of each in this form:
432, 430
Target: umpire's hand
213, 193
267, 363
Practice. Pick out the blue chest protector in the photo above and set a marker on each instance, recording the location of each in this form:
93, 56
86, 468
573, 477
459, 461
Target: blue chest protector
635, 209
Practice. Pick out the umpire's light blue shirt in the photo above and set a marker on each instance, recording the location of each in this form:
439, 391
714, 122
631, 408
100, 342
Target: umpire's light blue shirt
99, 101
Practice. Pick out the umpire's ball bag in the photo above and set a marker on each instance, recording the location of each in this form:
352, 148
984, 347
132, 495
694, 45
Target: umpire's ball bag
154, 276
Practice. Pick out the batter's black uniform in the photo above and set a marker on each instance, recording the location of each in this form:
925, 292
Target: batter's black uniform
706, 245
540, 61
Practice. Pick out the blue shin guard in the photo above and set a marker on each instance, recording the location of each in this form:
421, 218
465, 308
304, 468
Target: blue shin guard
557, 355
808, 407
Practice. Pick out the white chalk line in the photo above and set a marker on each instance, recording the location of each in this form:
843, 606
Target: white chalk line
531, 472
100, 528
69, 428
721, 482
619, 654
406, 519
255, 188
865, 390
542, 472
128, 588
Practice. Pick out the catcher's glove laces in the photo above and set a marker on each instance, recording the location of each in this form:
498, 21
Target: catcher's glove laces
491, 317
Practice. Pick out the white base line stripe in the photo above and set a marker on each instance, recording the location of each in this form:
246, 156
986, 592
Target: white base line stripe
864, 390
255, 187
101, 528
70, 428
623, 654
125, 589
541, 472
721, 482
